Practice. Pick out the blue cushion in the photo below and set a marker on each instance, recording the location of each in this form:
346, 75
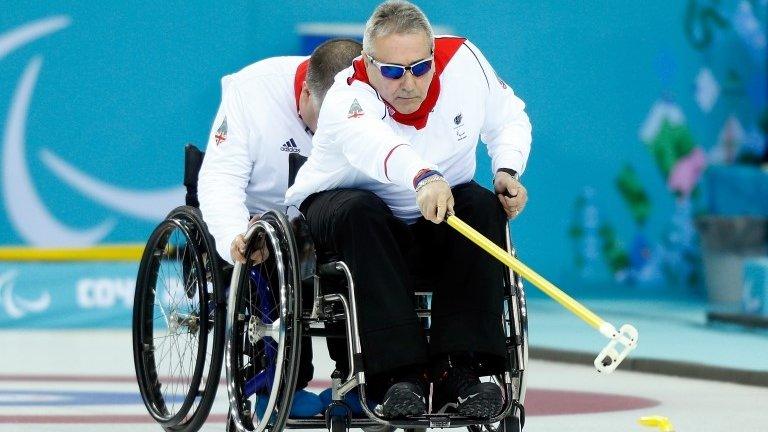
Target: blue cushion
352, 399
305, 404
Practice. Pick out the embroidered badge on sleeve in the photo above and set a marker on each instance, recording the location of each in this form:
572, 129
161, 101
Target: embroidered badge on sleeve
355, 110
221, 133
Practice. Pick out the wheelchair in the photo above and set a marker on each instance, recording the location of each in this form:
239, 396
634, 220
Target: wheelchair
188, 323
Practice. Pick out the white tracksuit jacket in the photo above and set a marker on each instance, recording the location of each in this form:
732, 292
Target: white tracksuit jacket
245, 169
359, 142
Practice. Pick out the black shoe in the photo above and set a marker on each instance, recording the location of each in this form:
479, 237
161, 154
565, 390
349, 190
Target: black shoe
459, 390
403, 399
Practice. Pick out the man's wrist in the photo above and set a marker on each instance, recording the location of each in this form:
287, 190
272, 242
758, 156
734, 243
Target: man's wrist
509, 171
435, 177
424, 174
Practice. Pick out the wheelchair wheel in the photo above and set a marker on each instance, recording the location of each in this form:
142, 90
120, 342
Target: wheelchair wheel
515, 317
338, 424
178, 322
515, 323
263, 330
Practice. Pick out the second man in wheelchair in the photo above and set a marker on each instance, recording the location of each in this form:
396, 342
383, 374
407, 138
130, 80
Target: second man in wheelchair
394, 153
268, 111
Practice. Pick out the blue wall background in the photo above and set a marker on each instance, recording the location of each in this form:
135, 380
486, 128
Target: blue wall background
121, 89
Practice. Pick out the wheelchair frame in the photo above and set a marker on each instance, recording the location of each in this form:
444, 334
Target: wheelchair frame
277, 227
295, 259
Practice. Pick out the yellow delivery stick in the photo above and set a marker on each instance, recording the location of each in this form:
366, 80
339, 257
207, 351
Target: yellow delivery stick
608, 358
551, 290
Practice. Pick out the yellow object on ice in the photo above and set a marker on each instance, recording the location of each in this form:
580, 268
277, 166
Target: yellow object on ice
657, 421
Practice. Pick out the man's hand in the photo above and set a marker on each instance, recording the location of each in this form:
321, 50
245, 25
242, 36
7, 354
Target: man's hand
237, 249
511, 192
435, 200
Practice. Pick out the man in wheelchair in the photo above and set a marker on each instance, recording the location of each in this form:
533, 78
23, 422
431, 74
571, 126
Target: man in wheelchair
268, 111
394, 153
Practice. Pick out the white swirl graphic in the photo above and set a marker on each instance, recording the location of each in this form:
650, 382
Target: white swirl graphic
150, 206
26, 211
30, 32
17, 307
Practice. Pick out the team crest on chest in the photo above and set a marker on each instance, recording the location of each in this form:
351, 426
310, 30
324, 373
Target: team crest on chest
459, 128
221, 132
355, 110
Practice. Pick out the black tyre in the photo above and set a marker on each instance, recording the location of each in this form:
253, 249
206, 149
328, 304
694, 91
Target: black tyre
515, 324
178, 322
338, 424
508, 424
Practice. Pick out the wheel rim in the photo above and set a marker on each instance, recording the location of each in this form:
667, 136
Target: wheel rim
171, 337
261, 335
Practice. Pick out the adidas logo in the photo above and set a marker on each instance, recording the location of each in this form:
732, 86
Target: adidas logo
290, 146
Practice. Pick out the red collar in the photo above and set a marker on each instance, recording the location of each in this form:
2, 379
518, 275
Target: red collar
301, 76
445, 48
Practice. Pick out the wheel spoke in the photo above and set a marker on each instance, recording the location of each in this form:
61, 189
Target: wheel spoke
175, 360
263, 361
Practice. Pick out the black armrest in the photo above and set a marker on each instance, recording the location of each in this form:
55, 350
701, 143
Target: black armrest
193, 159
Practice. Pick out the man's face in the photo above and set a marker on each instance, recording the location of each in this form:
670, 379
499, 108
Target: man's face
408, 92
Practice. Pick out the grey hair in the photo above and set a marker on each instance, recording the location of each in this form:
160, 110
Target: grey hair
396, 16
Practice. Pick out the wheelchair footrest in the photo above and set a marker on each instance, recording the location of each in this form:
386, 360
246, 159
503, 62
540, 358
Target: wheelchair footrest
439, 421
435, 421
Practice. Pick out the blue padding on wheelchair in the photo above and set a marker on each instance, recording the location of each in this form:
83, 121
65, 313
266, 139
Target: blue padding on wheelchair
262, 381
263, 289
352, 399
305, 404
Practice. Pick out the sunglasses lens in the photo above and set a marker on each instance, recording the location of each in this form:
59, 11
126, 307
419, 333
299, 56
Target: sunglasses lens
392, 72
421, 68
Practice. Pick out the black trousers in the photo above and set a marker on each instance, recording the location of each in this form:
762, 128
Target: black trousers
389, 260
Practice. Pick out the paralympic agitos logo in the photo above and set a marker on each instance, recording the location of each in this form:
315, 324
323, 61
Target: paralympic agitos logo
17, 307
27, 213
